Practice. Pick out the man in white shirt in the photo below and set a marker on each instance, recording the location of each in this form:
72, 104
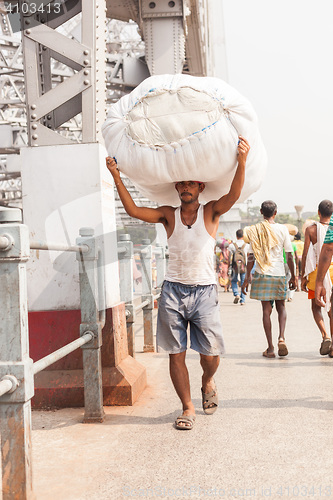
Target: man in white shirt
239, 251
267, 241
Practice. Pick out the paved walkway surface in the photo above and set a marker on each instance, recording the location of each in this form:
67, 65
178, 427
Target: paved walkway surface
271, 436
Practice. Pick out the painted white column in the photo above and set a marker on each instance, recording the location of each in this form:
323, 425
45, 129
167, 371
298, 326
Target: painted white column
64, 188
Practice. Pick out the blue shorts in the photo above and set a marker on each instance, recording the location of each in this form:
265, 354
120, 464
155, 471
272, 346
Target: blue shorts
198, 306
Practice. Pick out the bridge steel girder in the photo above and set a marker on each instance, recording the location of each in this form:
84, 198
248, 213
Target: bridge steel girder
123, 10
163, 26
47, 107
164, 34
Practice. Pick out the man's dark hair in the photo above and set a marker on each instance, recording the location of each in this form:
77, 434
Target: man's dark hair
239, 233
325, 207
268, 208
297, 236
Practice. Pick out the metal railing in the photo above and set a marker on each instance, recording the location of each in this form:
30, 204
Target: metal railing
149, 294
17, 369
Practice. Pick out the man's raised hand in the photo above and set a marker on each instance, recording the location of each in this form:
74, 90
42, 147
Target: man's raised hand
242, 149
112, 166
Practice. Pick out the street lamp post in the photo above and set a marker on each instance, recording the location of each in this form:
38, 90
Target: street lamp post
299, 209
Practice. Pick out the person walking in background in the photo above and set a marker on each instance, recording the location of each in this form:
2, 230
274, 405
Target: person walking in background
239, 251
313, 242
267, 241
223, 265
299, 244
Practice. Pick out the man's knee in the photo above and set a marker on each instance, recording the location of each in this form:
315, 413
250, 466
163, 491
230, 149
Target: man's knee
209, 360
280, 305
314, 307
266, 308
177, 359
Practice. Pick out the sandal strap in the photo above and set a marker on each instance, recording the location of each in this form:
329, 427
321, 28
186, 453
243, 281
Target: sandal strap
209, 394
185, 418
209, 399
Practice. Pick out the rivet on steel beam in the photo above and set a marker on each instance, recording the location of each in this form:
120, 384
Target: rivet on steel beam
27, 22
34, 126
86, 82
86, 62
86, 52
27, 32
86, 72
34, 116
35, 137
49, 117
33, 106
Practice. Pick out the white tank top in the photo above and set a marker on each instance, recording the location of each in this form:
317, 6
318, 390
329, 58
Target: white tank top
191, 253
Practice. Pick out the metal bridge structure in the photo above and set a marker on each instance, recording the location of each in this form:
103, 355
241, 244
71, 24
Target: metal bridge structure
73, 58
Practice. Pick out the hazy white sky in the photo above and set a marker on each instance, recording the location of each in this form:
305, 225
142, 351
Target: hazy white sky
280, 56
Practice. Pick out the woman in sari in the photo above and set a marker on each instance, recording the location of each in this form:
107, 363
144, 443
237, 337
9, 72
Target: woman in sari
223, 265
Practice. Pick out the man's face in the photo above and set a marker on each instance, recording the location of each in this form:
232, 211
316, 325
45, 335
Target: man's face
189, 191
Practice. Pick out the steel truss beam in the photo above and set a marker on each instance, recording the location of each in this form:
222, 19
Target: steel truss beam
66, 104
84, 91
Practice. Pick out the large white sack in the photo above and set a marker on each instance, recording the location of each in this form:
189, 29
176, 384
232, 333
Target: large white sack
179, 127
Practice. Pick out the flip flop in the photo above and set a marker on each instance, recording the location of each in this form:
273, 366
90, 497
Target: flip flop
325, 347
267, 354
188, 420
210, 399
283, 350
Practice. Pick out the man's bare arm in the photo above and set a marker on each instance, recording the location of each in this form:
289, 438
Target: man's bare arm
249, 266
290, 262
147, 214
224, 204
325, 259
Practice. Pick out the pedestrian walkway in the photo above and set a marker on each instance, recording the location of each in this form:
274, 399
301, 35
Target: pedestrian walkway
271, 436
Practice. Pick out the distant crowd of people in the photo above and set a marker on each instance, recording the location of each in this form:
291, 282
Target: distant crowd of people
277, 262
231, 259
